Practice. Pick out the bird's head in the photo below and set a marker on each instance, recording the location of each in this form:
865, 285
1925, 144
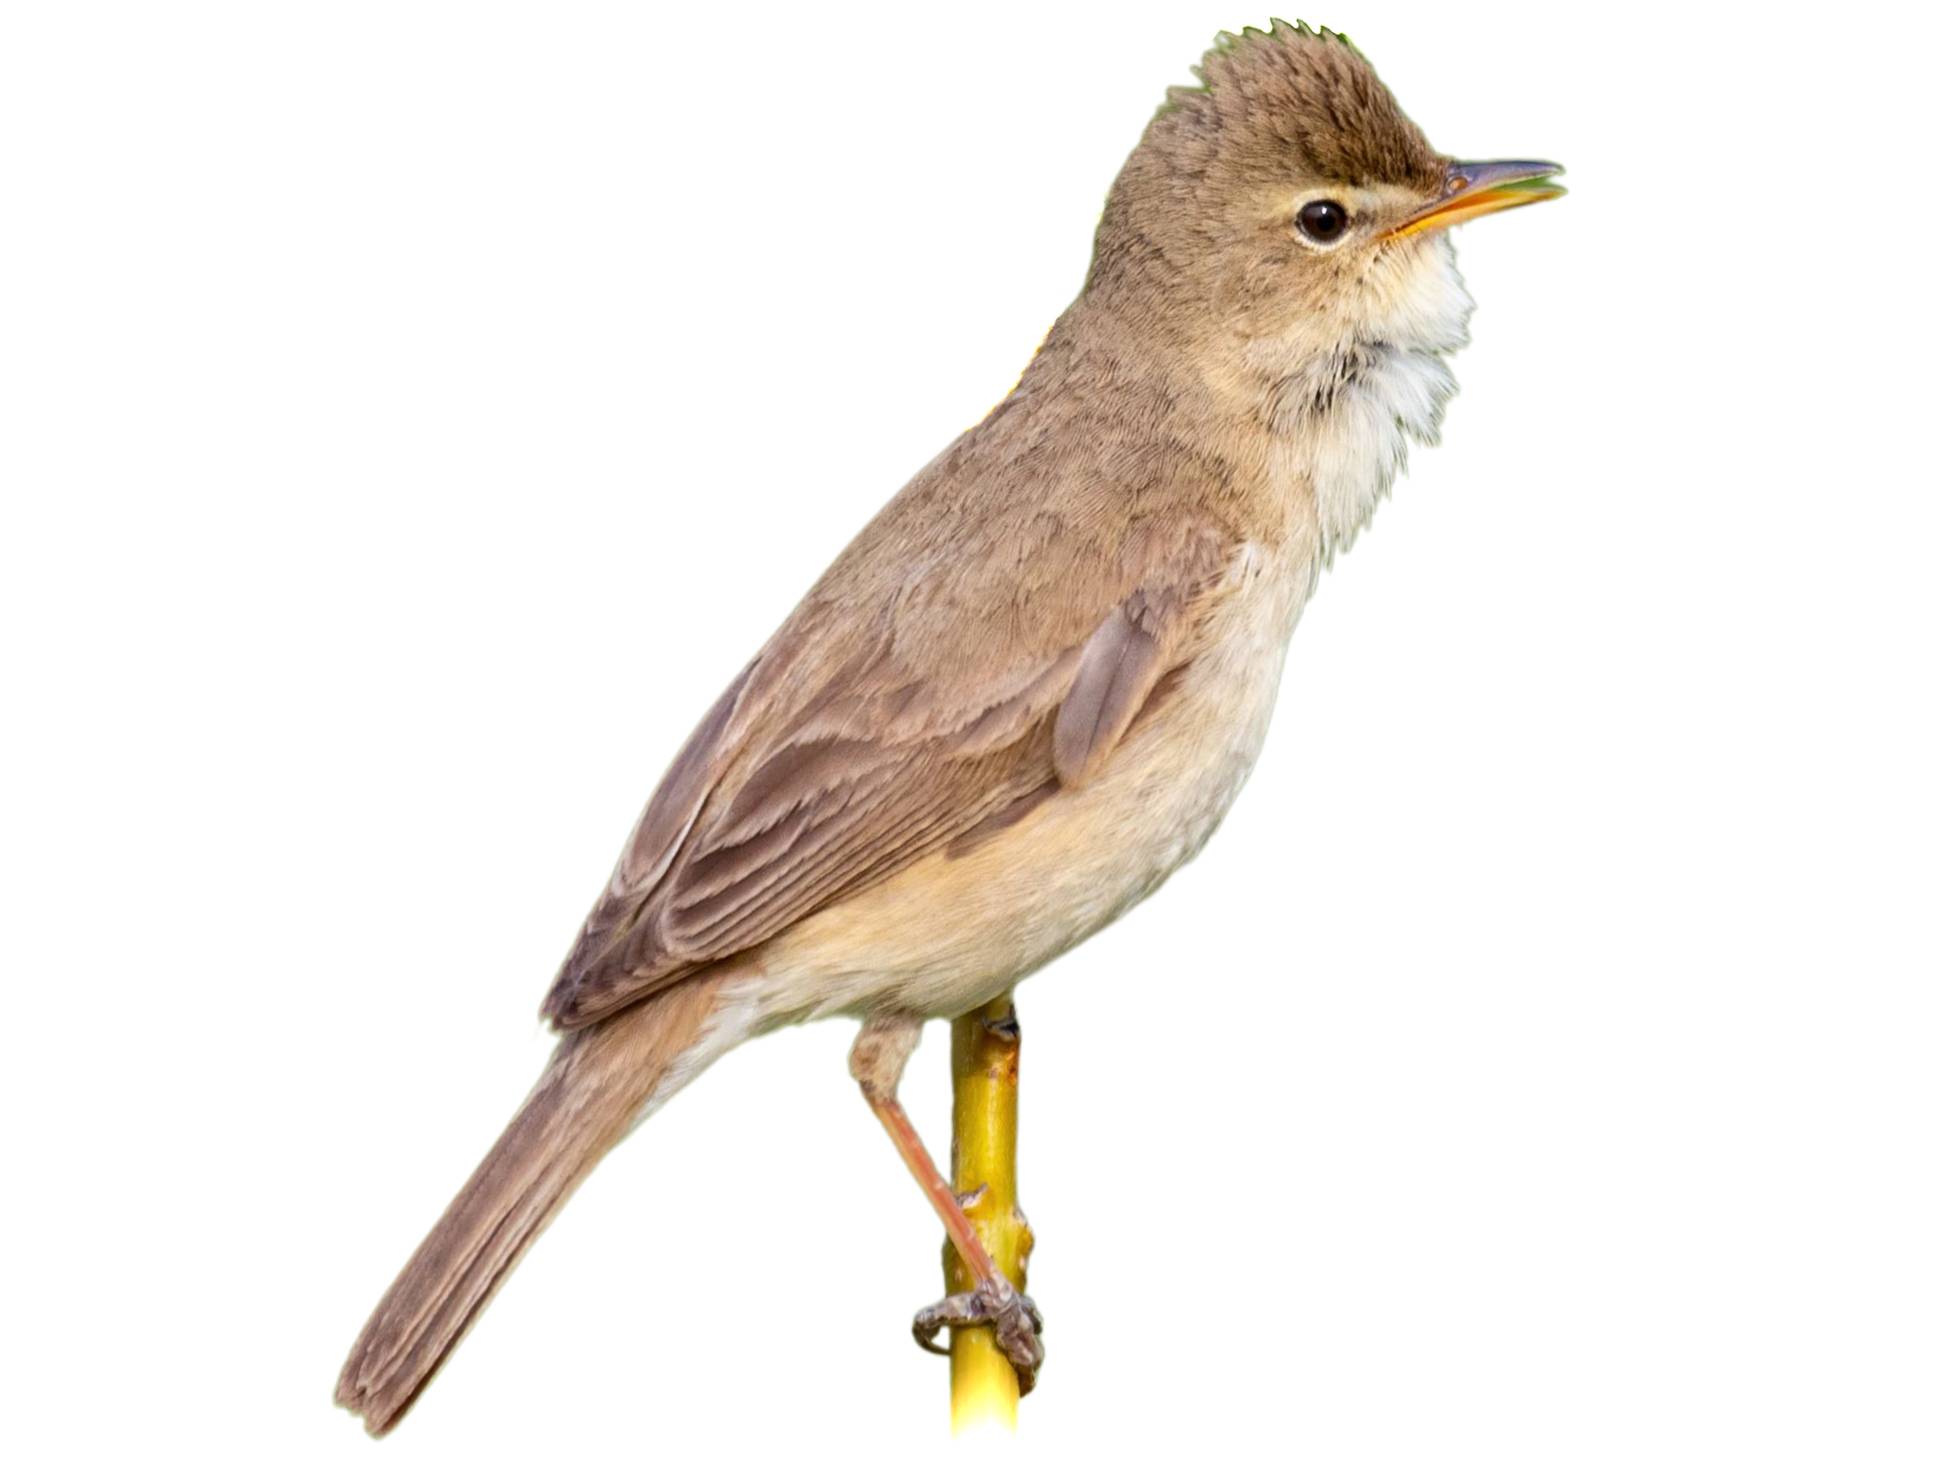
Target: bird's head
1289, 204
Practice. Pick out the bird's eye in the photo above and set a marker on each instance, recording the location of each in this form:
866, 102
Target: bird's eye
1322, 221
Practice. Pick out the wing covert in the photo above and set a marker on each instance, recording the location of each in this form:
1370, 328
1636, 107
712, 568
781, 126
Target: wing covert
819, 774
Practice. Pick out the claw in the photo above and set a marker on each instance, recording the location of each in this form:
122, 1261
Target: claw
1012, 1314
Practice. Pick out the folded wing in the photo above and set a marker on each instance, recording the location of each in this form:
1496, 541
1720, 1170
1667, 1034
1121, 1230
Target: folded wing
891, 716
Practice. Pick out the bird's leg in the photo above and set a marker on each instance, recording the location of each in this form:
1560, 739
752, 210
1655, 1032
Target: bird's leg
879, 1057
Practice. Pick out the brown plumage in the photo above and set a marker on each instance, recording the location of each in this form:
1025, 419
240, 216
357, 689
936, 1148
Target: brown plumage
861, 743
1031, 688
585, 1101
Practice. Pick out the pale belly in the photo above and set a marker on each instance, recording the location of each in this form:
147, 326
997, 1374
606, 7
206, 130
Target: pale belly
953, 932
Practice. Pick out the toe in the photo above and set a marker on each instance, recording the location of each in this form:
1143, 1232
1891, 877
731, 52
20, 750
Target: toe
1015, 1319
956, 1310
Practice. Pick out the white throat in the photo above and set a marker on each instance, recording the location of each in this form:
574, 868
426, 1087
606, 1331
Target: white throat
1345, 414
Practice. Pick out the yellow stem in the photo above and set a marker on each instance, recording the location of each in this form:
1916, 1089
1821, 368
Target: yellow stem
986, 1081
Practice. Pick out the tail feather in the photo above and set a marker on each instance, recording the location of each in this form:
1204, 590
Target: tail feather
600, 1080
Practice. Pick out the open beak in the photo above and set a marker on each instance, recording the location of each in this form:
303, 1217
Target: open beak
1477, 188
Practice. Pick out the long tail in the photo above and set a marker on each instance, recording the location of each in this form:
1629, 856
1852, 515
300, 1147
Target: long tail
599, 1082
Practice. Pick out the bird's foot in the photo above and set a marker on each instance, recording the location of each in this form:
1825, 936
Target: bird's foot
1015, 1320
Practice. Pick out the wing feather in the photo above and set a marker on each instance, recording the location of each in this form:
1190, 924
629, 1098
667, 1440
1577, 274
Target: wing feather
1120, 666
803, 788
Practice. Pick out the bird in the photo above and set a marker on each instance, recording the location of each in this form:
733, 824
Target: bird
1031, 688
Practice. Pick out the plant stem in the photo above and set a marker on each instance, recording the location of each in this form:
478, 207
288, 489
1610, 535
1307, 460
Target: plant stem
986, 1082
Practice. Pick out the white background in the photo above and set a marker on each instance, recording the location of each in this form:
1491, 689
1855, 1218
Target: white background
412, 414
